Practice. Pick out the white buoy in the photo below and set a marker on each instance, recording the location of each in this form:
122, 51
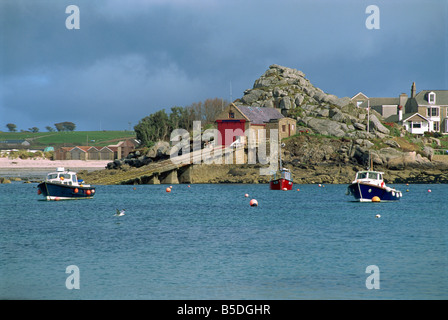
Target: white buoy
378, 216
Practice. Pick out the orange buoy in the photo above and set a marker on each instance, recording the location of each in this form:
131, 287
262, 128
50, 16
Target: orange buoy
376, 199
298, 189
253, 203
88, 192
168, 189
76, 190
188, 186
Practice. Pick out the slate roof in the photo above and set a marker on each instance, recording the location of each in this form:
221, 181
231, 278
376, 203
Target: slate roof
441, 97
260, 115
394, 118
380, 102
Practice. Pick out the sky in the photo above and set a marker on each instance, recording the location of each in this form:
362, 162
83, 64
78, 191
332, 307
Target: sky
131, 58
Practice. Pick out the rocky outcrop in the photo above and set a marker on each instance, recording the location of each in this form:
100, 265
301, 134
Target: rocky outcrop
327, 115
137, 159
289, 90
4, 180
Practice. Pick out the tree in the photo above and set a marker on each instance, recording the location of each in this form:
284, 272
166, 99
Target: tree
69, 126
153, 128
65, 126
11, 127
159, 125
34, 129
49, 129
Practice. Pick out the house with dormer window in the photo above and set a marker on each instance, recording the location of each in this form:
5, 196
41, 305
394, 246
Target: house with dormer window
426, 111
433, 104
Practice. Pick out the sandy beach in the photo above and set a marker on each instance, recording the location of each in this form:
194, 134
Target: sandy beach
38, 168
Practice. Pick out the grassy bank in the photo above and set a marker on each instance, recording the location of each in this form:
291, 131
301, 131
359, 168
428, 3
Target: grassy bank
41, 140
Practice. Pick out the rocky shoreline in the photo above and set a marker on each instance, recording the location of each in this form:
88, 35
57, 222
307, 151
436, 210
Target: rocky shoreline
312, 159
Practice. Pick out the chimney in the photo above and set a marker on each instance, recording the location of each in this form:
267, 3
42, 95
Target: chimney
413, 90
400, 113
403, 98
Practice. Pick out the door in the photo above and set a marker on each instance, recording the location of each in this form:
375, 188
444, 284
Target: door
229, 130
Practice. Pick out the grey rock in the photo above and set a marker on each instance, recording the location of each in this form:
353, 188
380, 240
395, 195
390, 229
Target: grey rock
298, 99
360, 126
326, 127
377, 125
252, 96
285, 103
428, 152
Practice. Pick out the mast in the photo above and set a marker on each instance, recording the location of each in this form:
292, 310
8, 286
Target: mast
368, 115
280, 150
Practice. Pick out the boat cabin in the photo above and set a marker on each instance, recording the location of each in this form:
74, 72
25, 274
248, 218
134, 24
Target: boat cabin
284, 174
63, 177
371, 177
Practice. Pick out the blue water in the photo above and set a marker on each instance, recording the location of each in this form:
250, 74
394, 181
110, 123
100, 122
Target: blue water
206, 242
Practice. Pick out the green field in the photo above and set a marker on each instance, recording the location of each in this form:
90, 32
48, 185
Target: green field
41, 140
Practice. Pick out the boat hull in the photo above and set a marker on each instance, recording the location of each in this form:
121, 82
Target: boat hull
365, 192
280, 184
58, 191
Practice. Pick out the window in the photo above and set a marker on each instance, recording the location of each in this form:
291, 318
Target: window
361, 175
433, 112
373, 175
432, 97
283, 128
231, 115
436, 126
416, 124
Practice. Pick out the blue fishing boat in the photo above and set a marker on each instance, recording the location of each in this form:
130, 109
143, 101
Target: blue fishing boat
64, 185
369, 186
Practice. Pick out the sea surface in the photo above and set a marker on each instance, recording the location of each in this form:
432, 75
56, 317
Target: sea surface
206, 242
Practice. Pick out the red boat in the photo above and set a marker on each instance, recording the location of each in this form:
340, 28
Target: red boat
284, 179
284, 182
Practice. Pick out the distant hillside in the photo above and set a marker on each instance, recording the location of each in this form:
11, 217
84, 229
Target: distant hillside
41, 140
